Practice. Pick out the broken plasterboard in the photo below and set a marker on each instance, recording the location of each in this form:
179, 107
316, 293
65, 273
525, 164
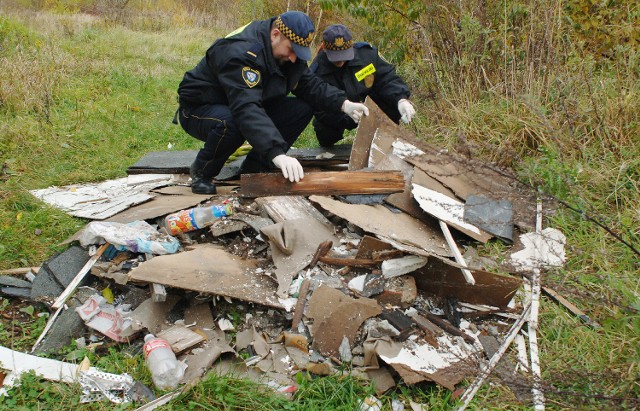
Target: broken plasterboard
446, 365
540, 250
17, 363
336, 316
293, 244
447, 209
180, 337
102, 200
379, 220
211, 270
162, 203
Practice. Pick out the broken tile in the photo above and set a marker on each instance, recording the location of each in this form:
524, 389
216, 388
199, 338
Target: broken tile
492, 216
57, 272
8, 281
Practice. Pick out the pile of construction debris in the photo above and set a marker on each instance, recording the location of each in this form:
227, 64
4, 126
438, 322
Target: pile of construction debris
355, 265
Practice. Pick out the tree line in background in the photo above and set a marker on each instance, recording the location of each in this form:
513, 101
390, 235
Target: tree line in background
555, 73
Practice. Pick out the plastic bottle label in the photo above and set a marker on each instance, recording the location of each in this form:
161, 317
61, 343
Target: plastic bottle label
222, 210
181, 222
154, 344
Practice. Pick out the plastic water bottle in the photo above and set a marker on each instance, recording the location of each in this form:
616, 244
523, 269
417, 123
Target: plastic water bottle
195, 218
166, 370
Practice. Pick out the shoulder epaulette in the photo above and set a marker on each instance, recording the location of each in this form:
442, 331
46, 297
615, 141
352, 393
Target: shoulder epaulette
254, 50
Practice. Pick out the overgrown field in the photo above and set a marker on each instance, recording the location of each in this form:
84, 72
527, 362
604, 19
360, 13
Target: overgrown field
549, 88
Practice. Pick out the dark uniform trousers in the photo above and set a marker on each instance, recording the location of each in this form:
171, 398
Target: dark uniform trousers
330, 127
214, 125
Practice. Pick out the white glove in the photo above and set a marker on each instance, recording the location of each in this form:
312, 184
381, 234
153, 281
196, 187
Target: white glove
290, 167
354, 110
406, 111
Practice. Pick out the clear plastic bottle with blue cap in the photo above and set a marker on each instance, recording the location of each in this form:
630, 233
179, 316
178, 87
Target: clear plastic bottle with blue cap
195, 218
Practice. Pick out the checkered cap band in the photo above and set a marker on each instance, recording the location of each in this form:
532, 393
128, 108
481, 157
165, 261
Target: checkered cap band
305, 42
338, 44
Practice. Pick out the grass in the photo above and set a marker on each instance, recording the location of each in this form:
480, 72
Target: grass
84, 96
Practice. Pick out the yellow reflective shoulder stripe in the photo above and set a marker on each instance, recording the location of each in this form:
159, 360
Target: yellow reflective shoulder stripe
236, 31
368, 70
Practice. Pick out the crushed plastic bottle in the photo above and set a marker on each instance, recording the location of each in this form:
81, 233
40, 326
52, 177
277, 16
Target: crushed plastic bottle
166, 370
195, 218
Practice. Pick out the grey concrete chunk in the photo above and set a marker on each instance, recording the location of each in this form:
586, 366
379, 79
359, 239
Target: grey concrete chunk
9, 281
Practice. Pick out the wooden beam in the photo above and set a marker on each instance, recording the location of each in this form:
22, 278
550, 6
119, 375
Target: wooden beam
19, 271
456, 252
569, 306
323, 183
299, 310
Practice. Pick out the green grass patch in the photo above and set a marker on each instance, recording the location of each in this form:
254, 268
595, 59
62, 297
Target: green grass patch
84, 96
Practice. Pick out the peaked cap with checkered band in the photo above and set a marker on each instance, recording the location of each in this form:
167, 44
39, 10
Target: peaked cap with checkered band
298, 28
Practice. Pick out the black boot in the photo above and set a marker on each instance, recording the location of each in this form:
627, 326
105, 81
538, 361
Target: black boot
199, 183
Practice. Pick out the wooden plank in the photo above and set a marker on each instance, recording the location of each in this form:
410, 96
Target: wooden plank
283, 208
446, 280
364, 135
302, 298
19, 271
569, 306
456, 253
323, 183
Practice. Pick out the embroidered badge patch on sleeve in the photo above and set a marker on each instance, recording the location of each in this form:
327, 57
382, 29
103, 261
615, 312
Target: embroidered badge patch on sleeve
250, 76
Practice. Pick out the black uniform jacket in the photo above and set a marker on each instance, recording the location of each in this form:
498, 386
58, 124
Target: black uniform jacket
358, 80
241, 72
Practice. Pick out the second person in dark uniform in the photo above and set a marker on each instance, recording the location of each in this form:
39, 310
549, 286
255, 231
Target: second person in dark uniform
358, 69
240, 90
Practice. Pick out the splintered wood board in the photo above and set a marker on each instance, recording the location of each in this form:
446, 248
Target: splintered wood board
323, 183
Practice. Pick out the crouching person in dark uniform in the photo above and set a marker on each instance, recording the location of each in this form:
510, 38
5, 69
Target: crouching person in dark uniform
239, 91
359, 70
